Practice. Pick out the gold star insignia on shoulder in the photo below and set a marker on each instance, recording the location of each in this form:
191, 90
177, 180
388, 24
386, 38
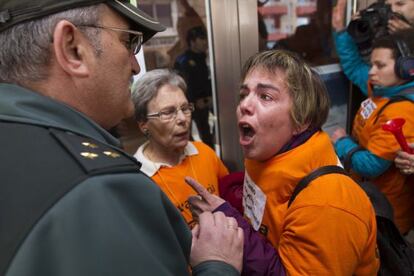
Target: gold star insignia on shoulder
89, 155
192, 62
111, 154
89, 145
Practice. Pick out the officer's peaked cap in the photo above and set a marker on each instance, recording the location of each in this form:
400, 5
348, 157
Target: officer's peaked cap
13, 12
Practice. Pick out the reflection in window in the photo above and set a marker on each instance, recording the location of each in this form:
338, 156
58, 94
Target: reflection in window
302, 26
160, 11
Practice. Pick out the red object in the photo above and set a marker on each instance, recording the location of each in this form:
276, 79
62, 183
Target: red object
231, 189
395, 127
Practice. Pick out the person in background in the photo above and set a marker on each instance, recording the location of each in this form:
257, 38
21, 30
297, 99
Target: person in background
404, 8
405, 162
71, 201
163, 114
330, 228
192, 66
187, 19
370, 151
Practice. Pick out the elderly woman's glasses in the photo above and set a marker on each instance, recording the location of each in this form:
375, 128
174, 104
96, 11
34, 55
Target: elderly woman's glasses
170, 113
135, 39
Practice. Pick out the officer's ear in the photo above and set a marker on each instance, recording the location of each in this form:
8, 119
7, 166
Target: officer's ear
72, 49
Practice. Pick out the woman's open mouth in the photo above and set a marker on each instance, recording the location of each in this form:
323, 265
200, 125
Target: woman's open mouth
246, 133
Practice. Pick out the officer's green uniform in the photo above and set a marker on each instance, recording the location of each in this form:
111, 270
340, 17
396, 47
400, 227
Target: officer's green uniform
72, 203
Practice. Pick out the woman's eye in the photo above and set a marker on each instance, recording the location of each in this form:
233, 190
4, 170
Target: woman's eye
265, 97
380, 66
242, 96
168, 111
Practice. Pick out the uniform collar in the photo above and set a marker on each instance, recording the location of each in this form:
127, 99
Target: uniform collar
150, 168
18, 104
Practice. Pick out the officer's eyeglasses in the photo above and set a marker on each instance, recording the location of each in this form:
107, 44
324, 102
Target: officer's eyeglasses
134, 42
170, 113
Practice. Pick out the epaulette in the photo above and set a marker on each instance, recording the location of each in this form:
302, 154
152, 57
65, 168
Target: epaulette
94, 156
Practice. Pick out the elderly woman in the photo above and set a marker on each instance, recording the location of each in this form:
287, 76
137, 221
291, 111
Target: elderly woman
330, 228
163, 114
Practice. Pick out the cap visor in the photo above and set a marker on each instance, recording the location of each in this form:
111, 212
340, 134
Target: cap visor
140, 20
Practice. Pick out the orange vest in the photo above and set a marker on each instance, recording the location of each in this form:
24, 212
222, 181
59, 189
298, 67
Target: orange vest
330, 228
371, 136
205, 167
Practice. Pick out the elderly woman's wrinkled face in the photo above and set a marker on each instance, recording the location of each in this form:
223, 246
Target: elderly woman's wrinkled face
171, 134
263, 113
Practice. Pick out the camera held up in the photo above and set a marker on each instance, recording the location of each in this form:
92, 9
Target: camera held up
371, 24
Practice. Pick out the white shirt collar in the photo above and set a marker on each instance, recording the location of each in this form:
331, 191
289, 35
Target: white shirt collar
150, 168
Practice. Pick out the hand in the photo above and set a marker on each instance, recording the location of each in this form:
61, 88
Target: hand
204, 201
395, 24
405, 162
337, 134
218, 238
338, 15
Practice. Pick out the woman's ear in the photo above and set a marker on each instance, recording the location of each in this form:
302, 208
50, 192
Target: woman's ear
143, 126
71, 49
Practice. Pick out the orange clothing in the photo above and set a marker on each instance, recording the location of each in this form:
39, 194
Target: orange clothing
370, 135
202, 164
330, 228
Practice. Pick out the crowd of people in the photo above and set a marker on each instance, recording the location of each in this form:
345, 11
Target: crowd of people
78, 204
370, 150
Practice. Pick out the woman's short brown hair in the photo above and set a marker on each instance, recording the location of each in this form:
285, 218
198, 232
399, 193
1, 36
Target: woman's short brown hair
309, 95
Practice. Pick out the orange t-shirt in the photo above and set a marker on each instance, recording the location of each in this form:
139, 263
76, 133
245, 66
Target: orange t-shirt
205, 167
330, 228
370, 135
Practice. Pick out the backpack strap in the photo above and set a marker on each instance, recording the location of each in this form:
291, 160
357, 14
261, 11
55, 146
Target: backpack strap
304, 182
400, 97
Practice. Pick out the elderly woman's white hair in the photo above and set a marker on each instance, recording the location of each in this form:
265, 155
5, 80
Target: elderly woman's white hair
147, 87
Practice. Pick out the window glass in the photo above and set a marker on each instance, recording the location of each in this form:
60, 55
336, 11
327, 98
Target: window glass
302, 26
164, 15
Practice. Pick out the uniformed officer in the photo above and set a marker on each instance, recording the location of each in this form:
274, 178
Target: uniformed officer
193, 67
71, 202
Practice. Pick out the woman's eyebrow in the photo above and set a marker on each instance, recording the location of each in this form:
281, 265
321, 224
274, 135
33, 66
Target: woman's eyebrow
261, 86
267, 86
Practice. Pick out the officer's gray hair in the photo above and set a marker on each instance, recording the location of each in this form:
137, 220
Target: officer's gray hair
26, 48
146, 88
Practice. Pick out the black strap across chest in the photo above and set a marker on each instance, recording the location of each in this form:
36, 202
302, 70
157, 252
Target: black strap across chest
304, 182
